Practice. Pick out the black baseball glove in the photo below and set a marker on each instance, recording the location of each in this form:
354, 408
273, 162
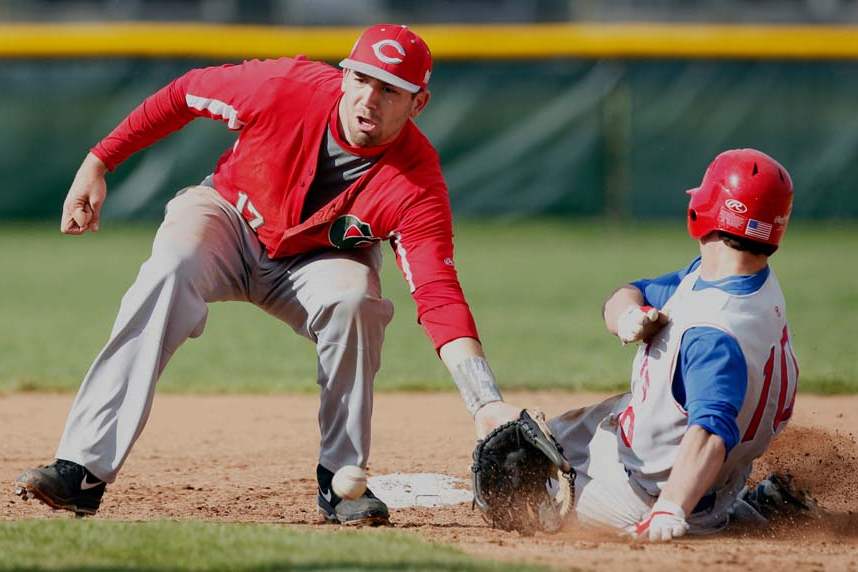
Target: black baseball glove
521, 479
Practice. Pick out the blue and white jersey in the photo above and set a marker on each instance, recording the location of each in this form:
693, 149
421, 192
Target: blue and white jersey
724, 362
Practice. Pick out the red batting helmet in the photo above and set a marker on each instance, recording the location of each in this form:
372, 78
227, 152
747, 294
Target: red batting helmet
744, 193
393, 54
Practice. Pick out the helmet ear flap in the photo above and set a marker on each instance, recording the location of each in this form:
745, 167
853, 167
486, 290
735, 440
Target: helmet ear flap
693, 223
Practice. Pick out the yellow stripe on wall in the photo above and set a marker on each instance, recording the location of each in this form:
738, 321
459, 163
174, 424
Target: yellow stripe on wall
534, 41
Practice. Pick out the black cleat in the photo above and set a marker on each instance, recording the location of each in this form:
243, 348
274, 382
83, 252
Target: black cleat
777, 496
365, 510
62, 485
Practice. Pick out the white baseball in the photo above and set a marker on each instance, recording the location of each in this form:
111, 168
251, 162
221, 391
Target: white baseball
349, 482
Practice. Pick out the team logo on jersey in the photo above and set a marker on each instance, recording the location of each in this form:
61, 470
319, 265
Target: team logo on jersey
349, 231
736, 206
388, 59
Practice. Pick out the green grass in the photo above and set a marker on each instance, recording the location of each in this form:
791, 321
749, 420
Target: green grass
69, 545
536, 289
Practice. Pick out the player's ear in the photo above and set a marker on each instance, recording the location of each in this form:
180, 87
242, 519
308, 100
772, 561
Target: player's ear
419, 102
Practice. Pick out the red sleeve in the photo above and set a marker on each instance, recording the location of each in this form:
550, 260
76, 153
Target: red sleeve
224, 93
424, 253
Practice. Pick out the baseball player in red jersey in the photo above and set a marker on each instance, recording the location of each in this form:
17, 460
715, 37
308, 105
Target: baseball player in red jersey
327, 164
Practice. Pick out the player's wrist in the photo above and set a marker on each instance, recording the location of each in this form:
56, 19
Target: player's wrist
476, 383
663, 505
487, 408
632, 322
93, 164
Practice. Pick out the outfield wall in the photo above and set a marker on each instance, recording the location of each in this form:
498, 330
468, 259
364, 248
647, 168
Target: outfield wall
529, 120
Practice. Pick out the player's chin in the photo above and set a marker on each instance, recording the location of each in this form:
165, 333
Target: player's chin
365, 139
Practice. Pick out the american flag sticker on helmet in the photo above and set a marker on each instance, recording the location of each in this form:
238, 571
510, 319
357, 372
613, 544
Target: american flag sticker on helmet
758, 229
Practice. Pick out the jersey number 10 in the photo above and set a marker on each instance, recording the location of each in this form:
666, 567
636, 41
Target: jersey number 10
626, 419
784, 411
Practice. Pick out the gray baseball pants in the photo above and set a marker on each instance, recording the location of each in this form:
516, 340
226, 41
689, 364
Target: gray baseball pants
605, 493
204, 252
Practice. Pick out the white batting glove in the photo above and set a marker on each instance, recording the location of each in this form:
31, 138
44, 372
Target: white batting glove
665, 521
638, 323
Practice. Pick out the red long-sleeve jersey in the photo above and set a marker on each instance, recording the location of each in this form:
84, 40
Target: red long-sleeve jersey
281, 109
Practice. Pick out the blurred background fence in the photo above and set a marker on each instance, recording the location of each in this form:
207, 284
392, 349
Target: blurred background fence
363, 12
539, 107
582, 108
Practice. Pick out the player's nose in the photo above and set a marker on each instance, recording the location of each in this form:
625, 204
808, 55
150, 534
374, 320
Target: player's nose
372, 96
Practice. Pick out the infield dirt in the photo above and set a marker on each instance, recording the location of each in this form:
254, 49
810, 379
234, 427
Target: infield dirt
252, 459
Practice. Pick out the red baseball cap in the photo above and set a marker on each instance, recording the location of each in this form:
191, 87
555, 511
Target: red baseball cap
393, 54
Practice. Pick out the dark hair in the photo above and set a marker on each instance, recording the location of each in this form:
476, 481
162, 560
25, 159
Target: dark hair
746, 245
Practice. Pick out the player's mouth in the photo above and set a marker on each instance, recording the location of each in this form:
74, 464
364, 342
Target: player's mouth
365, 123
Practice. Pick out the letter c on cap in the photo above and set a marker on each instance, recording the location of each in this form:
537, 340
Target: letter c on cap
376, 47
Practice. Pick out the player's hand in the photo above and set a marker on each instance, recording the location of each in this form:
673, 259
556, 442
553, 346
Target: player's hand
82, 206
493, 415
639, 323
664, 522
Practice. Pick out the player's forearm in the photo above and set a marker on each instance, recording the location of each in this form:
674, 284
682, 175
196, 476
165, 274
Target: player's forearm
467, 364
159, 115
620, 300
700, 458
460, 349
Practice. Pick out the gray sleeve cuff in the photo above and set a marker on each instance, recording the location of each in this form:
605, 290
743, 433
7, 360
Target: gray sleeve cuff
476, 383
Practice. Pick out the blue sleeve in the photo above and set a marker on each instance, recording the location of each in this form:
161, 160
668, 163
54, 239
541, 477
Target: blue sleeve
657, 291
711, 380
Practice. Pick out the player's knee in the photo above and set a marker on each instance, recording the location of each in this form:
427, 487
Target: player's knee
352, 302
360, 305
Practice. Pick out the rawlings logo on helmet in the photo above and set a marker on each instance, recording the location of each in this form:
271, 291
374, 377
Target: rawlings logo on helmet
349, 231
736, 206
